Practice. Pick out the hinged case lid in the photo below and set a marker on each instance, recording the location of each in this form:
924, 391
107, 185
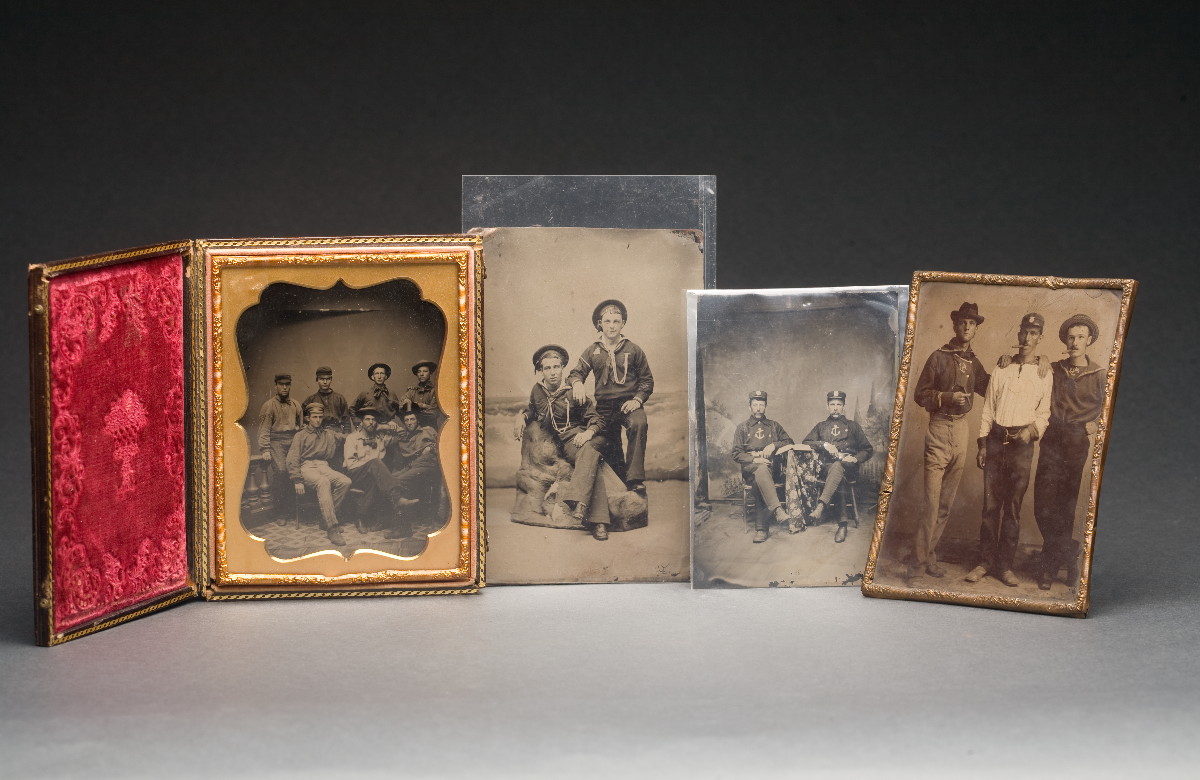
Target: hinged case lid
111, 440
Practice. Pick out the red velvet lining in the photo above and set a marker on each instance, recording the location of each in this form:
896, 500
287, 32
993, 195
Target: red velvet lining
117, 443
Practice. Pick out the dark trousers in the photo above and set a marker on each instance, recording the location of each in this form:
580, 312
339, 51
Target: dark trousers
835, 474
1065, 450
432, 418
633, 461
1005, 480
375, 480
416, 479
764, 482
586, 460
283, 495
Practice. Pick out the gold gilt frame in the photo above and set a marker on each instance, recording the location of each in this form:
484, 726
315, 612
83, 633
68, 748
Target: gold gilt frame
234, 272
882, 581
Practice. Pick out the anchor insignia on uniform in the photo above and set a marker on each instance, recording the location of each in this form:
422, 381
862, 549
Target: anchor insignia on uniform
836, 430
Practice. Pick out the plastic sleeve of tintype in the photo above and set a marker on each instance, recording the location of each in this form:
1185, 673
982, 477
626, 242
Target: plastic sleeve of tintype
671, 202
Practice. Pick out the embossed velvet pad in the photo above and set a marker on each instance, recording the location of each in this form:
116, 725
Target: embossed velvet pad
117, 448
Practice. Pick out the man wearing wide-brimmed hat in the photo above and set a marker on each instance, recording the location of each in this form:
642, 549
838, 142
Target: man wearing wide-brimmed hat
363, 458
418, 471
946, 388
378, 396
1075, 403
422, 397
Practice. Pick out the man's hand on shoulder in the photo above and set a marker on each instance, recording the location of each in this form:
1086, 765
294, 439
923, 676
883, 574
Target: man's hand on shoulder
578, 393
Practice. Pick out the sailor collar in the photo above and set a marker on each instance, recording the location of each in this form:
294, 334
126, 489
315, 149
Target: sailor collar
553, 393
962, 351
1090, 368
620, 342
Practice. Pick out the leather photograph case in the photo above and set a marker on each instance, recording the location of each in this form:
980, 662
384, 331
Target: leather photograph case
1002, 418
248, 418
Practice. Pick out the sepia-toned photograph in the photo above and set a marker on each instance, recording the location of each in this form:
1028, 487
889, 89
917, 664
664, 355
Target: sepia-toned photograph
792, 394
1005, 402
586, 403
343, 448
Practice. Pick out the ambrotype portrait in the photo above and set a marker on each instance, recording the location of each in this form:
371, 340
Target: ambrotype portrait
792, 392
586, 405
343, 417
343, 471
1004, 406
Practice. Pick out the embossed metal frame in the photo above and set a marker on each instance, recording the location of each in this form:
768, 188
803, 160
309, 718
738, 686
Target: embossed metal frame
1079, 607
464, 254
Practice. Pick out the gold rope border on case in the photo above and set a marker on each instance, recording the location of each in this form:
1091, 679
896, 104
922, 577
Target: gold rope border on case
1079, 607
397, 256
66, 636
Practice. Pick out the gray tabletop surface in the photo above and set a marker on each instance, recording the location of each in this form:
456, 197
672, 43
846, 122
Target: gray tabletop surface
853, 144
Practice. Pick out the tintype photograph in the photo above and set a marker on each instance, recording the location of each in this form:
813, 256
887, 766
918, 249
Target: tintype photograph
1004, 407
344, 413
586, 403
792, 392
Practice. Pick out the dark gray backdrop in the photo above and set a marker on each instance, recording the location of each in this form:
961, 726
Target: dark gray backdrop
853, 143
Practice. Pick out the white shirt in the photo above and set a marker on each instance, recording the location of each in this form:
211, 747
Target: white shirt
1016, 395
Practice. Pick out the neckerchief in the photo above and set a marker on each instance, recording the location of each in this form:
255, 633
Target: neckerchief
612, 361
551, 395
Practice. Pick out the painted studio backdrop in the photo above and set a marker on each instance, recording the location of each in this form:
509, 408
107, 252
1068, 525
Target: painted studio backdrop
796, 346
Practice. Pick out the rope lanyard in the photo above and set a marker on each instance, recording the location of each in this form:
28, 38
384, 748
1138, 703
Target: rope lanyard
550, 409
612, 362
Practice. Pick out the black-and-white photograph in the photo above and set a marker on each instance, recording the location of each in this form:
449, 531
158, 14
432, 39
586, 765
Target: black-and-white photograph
1008, 385
586, 403
343, 420
792, 391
